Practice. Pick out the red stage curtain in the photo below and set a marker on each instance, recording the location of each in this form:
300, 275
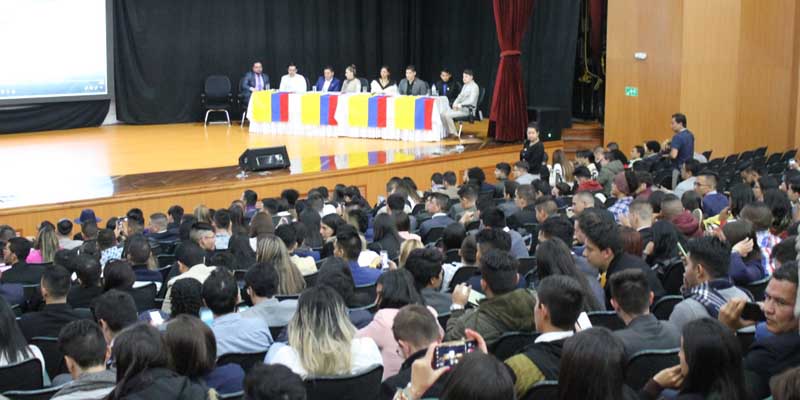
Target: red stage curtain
509, 107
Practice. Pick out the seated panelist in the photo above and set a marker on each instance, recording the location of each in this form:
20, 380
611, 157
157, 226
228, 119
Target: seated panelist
411, 86
292, 81
384, 84
351, 83
254, 81
327, 82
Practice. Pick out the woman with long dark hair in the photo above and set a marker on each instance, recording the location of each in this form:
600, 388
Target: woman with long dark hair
386, 235
710, 367
327, 229
664, 246
395, 289
13, 347
142, 360
592, 367
311, 220
553, 257
193, 354
746, 256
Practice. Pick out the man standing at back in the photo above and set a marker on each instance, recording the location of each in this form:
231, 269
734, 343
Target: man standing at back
681, 146
254, 81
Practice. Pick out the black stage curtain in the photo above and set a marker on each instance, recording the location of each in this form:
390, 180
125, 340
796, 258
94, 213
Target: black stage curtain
52, 116
164, 50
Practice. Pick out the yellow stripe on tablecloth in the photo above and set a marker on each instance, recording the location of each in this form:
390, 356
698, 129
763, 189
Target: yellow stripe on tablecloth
309, 104
262, 106
404, 112
358, 110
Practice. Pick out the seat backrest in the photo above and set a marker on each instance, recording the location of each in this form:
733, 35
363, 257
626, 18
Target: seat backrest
451, 256
511, 343
608, 319
217, 86
364, 84
526, 264
245, 360
433, 235
53, 358
311, 279
282, 297
664, 306
758, 288
38, 394
544, 390
672, 280
462, 275
145, 296
645, 364
25, 375
363, 386
275, 331
165, 260
369, 293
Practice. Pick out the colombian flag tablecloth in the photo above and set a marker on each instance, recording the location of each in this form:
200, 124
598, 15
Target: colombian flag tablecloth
353, 115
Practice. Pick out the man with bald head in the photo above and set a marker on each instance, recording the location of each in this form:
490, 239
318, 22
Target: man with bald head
672, 210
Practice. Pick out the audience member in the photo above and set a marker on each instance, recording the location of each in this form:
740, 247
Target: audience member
631, 298
560, 301
288, 234
493, 218
525, 199
234, 333
45, 246
139, 255
386, 238
186, 298
553, 257
760, 215
272, 250
707, 286
64, 233
505, 308
322, 341
142, 360
467, 258
56, 312
395, 290
189, 259
672, 211
640, 217
262, 282
711, 365
193, 354
114, 311
14, 348
745, 266
273, 382
437, 205
15, 253
348, 247
85, 352
466, 209
426, 267
88, 285
622, 189
586, 181
592, 366
611, 166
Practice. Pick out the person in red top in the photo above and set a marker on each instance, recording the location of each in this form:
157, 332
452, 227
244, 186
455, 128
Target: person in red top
585, 181
672, 210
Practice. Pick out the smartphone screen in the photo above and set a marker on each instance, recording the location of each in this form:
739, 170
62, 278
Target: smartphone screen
384, 260
753, 312
583, 322
449, 354
206, 316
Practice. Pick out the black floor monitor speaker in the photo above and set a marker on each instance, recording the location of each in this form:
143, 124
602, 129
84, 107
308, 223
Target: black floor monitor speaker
548, 119
264, 158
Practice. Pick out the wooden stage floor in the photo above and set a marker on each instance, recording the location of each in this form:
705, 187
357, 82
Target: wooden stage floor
53, 175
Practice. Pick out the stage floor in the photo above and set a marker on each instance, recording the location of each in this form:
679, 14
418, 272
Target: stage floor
92, 163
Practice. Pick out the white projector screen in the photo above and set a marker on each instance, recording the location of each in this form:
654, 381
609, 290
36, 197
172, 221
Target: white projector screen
55, 50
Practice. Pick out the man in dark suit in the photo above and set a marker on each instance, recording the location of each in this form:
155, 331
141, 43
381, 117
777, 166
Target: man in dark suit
437, 206
411, 86
14, 254
604, 250
56, 313
631, 298
327, 82
254, 81
525, 199
446, 86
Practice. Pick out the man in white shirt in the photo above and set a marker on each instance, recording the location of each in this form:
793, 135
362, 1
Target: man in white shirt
190, 258
465, 103
292, 81
689, 171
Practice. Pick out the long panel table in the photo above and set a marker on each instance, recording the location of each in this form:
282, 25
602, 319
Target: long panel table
360, 115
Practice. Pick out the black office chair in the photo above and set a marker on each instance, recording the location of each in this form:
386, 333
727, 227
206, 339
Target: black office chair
451, 256
217, 96
311, 279
53, 358
433, 235
608, 319
544, 390
165, 260
645, 364
462, 275
25, 375
662, 308
241, 101
369, 290
275, 331
526, 264
38, 394
363, 386
512, 343
245, 360
672, 277
364, 85
283, 297
475, 114
758, 288
145, 296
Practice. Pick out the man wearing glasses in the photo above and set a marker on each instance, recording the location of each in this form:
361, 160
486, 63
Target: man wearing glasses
706, 186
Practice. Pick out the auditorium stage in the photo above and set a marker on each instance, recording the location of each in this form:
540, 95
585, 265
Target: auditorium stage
51, 175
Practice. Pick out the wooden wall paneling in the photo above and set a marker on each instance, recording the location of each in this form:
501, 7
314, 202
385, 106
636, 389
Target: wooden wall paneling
794, 123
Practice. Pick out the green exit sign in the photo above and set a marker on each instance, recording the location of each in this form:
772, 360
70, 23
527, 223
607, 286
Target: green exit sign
631, 91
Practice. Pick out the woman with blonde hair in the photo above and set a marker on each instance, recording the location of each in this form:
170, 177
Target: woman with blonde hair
351, 83
272, 250
406, 248
562, 169
45, 247
322, 340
